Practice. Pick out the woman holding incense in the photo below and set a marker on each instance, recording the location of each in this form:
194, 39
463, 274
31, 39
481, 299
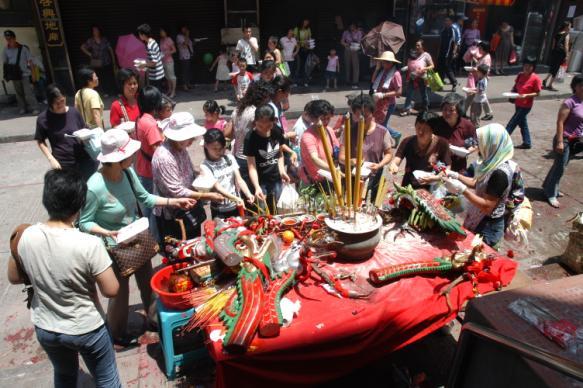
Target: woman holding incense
423, 151
312, 150
377, 142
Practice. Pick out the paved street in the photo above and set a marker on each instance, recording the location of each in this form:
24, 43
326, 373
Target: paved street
20, 192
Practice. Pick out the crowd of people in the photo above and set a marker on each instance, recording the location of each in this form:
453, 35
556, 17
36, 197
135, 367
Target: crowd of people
146, 170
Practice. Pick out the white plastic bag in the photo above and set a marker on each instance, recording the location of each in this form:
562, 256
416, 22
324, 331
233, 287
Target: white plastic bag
288, 199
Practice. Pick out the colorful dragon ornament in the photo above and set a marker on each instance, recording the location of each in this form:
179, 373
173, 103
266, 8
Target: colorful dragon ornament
426, 210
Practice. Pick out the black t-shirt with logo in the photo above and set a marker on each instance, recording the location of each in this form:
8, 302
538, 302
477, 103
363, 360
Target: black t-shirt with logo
266, 151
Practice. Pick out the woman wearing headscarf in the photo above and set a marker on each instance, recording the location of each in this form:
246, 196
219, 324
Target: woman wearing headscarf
496, 184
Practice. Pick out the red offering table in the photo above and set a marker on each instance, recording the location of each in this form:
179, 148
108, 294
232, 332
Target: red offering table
332, 336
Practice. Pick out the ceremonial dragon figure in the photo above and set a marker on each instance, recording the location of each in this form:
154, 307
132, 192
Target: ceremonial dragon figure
426, 211
256, 304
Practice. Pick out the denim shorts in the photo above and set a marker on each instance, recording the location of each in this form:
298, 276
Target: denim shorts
330, 75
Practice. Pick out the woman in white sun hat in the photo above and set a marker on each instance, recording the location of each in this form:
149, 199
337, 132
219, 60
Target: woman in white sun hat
174, 174
113, 194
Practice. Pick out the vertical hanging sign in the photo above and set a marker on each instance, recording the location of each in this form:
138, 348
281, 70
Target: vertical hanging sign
50, 27
50, 23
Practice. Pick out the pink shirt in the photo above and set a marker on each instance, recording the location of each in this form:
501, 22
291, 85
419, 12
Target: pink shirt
148, 133
220, 124
382, 105
332, 63
166, 46
311, 142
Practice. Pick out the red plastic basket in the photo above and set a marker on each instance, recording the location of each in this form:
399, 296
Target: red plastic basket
171, 300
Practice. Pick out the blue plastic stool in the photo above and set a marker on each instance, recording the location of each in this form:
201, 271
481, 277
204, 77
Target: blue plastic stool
168, 321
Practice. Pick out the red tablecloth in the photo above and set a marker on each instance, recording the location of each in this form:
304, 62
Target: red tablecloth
332, 336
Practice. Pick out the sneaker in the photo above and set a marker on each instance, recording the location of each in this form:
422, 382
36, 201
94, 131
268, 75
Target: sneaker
554, 202
544, 84
354, 87
523, 146
487, 117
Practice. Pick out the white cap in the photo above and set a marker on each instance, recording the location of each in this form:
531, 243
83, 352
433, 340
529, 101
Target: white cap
116, 146
181, 126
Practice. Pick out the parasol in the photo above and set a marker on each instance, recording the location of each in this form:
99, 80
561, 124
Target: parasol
129, 48
384, 37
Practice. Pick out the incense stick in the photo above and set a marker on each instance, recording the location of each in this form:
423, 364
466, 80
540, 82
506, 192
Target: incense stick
359, 141
347, 159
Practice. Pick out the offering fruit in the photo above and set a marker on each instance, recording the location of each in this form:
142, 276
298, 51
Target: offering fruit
180, 283
287, 236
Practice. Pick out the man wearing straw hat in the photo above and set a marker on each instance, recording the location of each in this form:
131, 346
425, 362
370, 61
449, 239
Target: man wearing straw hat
386, 87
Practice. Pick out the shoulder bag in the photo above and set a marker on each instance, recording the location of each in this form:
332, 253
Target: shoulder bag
131, 255
14, 240
12, 71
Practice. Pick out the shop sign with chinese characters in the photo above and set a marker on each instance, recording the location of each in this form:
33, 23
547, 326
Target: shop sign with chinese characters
50, 22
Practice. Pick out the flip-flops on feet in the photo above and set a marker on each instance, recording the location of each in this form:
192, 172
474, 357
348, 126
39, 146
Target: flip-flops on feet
554, 202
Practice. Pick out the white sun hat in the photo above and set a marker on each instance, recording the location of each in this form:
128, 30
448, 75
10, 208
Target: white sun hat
387, 56
116, 146
181, 126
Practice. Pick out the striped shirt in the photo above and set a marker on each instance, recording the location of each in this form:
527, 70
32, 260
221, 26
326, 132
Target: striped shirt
155, 55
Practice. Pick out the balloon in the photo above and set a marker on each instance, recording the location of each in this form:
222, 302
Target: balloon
207, 58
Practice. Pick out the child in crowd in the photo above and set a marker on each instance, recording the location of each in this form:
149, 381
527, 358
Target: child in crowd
212, 115
265, 158
332, 69
480, 92
242, 80
234, 64
224, 168
166, 108
223, 74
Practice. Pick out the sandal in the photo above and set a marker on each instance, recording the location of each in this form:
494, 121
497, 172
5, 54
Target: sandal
405, 113
554, 202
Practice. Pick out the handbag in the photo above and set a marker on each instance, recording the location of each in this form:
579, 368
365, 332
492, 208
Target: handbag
12, 71
95, 63
434, 81
131, 255
14, 240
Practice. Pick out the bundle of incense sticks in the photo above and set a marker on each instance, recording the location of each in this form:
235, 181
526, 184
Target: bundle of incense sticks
352, 198
335, 174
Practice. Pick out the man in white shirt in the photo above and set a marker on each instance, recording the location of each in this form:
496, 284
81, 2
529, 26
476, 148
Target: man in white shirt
248, 48
290, 50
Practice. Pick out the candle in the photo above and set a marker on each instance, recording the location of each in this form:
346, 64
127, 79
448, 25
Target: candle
359, 141
333, 172
347, 157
